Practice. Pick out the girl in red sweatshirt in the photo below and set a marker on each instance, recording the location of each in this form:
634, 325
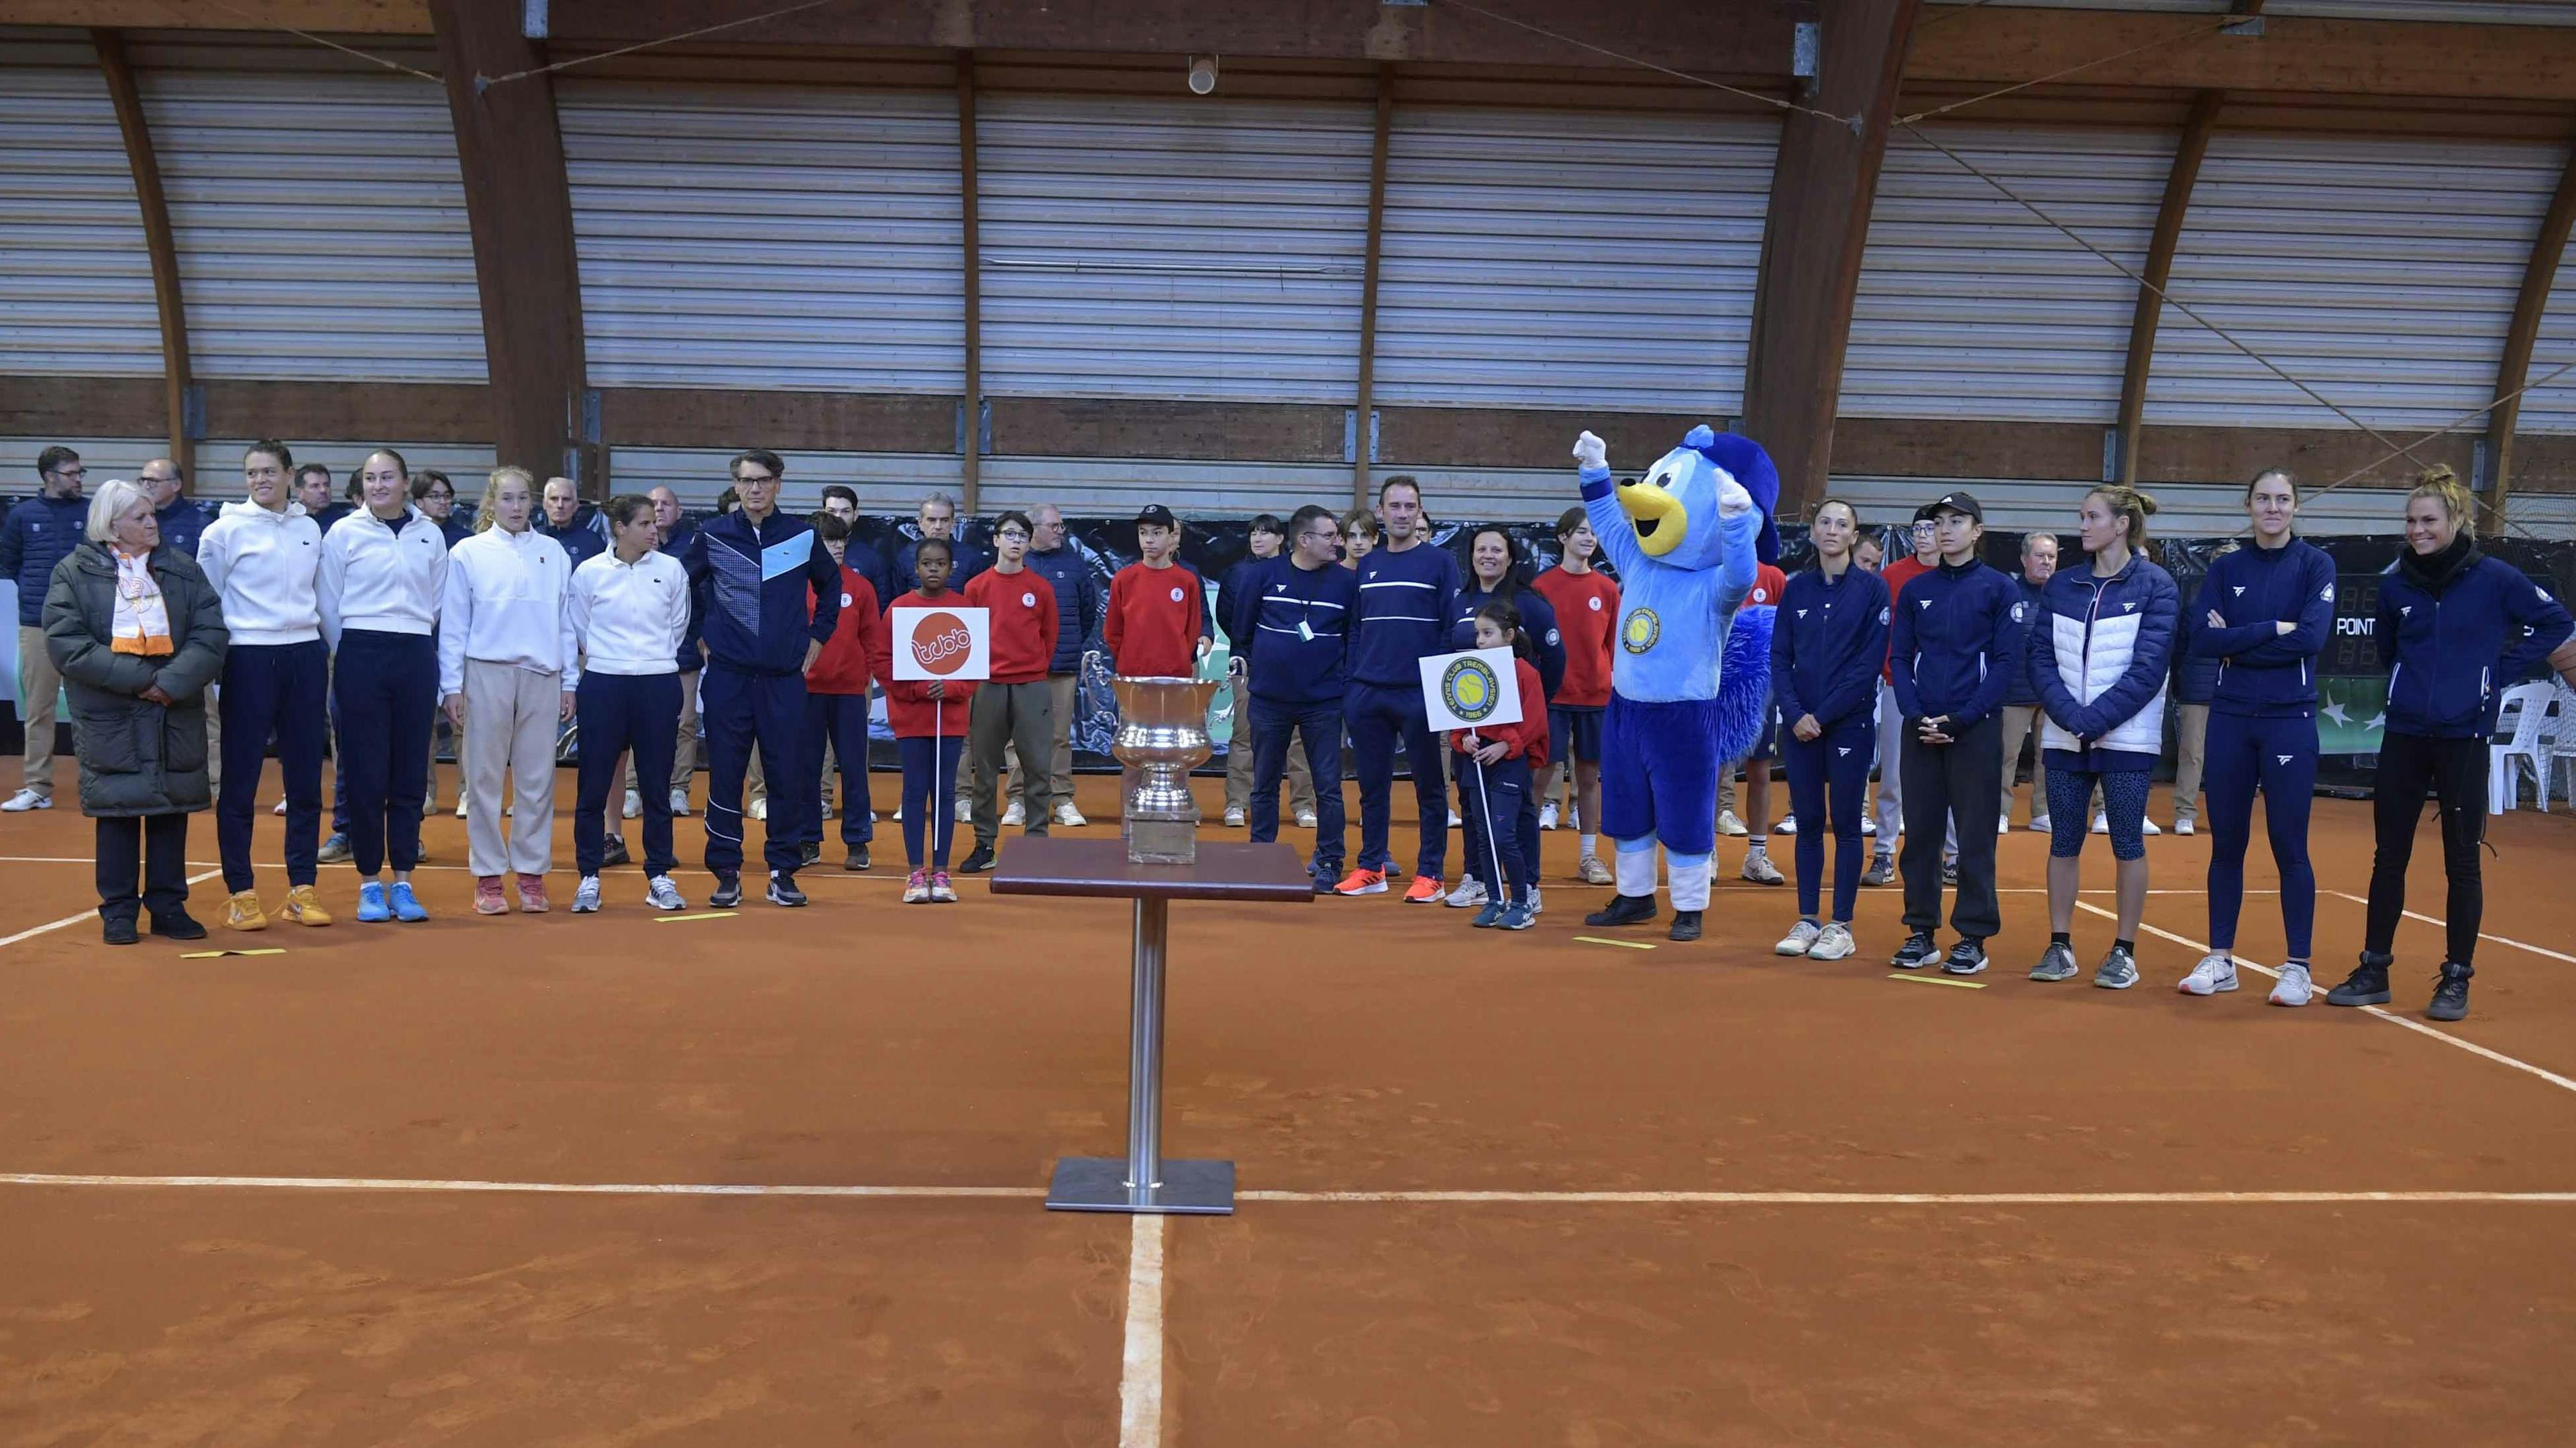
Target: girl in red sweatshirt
1505, 757
929, 720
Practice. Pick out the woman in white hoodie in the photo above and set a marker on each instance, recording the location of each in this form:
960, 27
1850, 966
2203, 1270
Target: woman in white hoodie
630, 610
383, 571
264, 556
506, 675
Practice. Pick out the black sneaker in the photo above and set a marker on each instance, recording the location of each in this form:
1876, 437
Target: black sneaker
1968, 957
1949, 872
1623, 910
614, 853
728, 892
118, 930
2451, 995
1917, 952
977, 861
810, 854
1882, 868
856, 860
1685, 925
783, 891
2367, 985
181, 926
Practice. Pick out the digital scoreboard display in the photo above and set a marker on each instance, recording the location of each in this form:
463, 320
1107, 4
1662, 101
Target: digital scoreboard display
2353, 650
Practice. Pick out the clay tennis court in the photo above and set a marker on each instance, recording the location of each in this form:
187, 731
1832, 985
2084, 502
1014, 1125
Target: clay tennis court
1497, 1190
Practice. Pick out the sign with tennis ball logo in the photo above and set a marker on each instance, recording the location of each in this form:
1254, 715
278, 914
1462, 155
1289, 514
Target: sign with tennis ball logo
1471, 690
943, 643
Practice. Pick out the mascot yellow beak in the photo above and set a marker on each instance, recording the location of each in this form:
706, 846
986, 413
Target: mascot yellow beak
1659, 518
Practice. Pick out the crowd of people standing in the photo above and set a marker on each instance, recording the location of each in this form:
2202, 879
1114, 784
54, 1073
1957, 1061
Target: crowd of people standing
189, 643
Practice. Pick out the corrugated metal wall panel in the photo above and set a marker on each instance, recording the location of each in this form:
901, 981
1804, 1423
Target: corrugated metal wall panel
1172, 249
466, 464
2381, 272
885, 482
2458, 12
1203, 490
775, 236
1970, 306
105, 457
320, 217
2550, 515
1561, 259
2550, 406
75, 276
2183, 510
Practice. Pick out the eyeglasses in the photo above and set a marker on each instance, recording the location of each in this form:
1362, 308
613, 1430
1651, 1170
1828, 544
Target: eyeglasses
749, 478
1011, 535
71, 472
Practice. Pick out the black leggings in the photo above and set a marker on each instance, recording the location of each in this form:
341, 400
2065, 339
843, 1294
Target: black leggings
2455, 770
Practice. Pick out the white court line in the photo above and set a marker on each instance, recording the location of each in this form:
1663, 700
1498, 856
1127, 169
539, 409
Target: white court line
2445, 1037
2482, 935
1145, 1262
89, 914
1140, 1373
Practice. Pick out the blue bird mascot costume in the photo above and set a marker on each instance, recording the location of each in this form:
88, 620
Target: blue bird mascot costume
1690, 675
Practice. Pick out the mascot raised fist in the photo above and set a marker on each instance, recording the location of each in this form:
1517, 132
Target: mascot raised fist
1689, 680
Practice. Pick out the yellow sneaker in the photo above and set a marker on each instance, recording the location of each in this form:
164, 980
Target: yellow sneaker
243, 913
303, 909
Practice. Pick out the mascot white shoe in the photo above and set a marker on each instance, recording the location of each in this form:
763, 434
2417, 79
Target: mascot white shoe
1690, 679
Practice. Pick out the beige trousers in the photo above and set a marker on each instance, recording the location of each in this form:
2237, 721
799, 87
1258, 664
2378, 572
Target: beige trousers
511, 715
2020, 721
40, 687
2188, 752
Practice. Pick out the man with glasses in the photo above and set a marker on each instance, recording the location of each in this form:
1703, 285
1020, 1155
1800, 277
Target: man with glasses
1295, 661
1013, 706
182, 521
764, 597
39, 533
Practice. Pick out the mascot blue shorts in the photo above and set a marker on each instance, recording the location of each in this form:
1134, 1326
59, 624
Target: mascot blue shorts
1689, 681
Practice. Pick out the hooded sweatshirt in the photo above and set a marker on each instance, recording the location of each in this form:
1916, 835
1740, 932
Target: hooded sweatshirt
266, 565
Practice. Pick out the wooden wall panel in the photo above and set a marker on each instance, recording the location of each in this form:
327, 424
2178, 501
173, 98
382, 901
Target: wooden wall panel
828, 421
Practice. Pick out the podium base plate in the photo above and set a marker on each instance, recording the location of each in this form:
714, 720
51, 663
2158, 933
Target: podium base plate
1099, 1184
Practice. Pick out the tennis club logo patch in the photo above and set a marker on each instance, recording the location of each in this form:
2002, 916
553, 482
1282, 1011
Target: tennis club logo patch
1595, 601
2021, 612
1470, 689
1177, 595
1552, 638
2327, 594
847, 601
1641, 630
1028, 600
942, 644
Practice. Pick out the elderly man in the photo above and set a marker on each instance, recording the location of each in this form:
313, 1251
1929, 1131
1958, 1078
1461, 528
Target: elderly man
1078, 605
938, 519
38, 534
182, 521
570, 522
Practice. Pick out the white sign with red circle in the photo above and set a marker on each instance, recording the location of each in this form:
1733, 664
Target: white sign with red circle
943, 643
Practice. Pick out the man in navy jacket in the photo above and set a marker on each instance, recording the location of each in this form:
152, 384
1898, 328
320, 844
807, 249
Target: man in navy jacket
1293, 655
182, 521
1055, 558
2021, 713
39, 533
764, 595
1407, 595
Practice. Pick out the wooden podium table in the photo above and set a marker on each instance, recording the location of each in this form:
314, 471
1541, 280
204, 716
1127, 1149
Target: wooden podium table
1142, 1181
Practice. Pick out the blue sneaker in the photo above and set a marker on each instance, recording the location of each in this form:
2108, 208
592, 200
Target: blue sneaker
406, 906
1490, 916
1517, 917
371, 904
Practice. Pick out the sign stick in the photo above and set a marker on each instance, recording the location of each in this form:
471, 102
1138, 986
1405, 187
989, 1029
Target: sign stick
1485, 802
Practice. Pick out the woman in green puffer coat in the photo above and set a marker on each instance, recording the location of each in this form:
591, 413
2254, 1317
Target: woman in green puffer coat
138, 633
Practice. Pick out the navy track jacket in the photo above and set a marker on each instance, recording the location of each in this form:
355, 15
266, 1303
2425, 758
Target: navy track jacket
1407, 600
1957, 631
758, 596
1827, 645
2453, 646
1296, 638
2261, 672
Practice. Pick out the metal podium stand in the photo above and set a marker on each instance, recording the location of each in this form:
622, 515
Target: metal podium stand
1142, 1181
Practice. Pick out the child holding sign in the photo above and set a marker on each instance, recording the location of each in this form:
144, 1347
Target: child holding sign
929, 719
1490, 794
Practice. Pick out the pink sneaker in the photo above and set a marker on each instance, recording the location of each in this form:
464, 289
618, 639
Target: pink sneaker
916, 889
532, 895
487, 896
941, 892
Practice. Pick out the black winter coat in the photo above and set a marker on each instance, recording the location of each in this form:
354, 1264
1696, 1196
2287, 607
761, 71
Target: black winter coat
136, 757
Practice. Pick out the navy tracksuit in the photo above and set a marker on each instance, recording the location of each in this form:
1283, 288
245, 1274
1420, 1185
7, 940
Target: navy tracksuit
1956, 633
1826, 647
840, 721
759, 595
617, 713
1295, 632
386, 688
280, 688
1402, 617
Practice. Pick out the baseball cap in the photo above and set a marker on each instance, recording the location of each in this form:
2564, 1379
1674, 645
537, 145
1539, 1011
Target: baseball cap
1158, 515
1950, 503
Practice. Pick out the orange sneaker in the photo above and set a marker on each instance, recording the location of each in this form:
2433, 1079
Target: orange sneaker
532, 895
1362, 882
303, 909
1426, 890
242, 912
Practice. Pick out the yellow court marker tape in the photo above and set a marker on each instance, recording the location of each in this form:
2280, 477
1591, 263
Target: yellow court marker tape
1936, 980
701, 915
214, 954
1622, 944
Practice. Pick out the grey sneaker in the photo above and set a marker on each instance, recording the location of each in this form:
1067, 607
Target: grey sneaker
1882, 868
1968, 957
1835, 944
2216, 972
2057, 964
2293, 988
2117, 972
585, 896
1469, 894
663, 895
1759, 869
1800, 940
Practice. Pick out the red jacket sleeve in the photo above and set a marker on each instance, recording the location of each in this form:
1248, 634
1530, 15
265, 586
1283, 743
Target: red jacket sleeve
1113, 626
872, 627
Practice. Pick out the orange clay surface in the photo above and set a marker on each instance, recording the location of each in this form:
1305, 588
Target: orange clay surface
1346, 1046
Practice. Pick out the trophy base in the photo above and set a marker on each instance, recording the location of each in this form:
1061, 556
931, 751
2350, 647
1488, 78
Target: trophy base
1162, 842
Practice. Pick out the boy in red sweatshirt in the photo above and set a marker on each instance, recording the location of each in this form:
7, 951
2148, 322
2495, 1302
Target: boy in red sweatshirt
1490, 790
1157, 622
836, 707
929, 719
1015, 707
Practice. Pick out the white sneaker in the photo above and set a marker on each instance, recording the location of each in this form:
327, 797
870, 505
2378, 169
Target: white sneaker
460, 806
2149, 827
1591, 870
1728, 824
661, 894
679, 803
2003, 827
1234, 817
634, 805
823, 810
1067, 816
1868, 825
1547, 816
1469, 895
1759, 869
898, 819
1802, 937
1788, 825
2216, 972
965, 813
280, 810
2292, 989
1834, 944
759, 809
2040, 825
27, 799
1538, 906
585, 896
2101, 824
1305, 819
2184, 827
1454, 821
1017, 814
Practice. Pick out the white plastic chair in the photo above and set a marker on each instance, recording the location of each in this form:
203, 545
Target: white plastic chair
2562, 742
2524, 711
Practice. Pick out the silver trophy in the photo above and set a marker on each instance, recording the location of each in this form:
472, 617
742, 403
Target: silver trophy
1162, 735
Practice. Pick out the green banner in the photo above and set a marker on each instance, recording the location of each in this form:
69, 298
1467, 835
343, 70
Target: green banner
2350, 713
